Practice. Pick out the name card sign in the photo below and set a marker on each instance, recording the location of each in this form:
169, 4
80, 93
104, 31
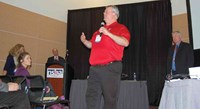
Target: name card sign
55, 72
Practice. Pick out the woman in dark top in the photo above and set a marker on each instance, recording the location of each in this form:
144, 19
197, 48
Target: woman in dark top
11, 61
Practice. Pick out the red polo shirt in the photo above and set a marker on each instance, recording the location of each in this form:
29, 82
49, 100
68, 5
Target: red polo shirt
107, 50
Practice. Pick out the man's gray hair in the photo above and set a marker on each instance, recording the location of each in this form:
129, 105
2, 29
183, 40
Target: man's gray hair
115, 9
178, 33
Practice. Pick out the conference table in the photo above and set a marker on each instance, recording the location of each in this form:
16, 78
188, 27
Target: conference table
181, 94
133, 95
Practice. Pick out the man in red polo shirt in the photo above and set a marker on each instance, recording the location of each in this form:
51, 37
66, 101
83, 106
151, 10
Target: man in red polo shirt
107, 46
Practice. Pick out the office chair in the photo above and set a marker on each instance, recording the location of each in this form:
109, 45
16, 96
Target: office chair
5, 78
37, 92
17, 79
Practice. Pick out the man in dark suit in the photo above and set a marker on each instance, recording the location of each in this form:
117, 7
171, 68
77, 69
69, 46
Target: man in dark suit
180, 56
55, 57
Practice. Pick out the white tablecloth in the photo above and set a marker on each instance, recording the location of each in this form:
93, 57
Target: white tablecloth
133, 95
183, 94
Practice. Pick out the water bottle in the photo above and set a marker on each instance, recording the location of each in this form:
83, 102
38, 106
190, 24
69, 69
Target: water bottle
134, 76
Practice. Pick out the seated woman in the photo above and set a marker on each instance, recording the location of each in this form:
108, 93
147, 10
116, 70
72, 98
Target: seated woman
24, 63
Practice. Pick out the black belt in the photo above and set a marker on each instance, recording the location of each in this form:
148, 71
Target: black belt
100, 65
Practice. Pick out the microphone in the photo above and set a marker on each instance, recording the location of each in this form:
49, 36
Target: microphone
98, 37
43, 91
66, 54
102, 24
43, 94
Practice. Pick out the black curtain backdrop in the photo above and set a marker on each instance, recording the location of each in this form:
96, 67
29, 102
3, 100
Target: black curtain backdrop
150, 25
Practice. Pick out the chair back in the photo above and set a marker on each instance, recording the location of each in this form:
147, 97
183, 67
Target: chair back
36, 88
5, 78
36, 82
18, 79
37, 92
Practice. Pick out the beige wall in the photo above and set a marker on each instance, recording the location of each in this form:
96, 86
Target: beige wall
38, 33
180, 23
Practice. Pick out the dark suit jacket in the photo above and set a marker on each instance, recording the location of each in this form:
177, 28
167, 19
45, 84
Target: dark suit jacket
10, 65
51, 60
184, 58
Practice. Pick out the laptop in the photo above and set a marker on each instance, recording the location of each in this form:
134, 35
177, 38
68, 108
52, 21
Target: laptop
194, 72
19, 80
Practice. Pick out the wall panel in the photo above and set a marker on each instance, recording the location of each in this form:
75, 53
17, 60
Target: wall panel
38, 33
180, 23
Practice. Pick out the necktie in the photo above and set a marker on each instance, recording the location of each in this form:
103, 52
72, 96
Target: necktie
173, 59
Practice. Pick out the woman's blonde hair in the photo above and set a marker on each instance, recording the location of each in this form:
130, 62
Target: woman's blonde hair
15, 51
